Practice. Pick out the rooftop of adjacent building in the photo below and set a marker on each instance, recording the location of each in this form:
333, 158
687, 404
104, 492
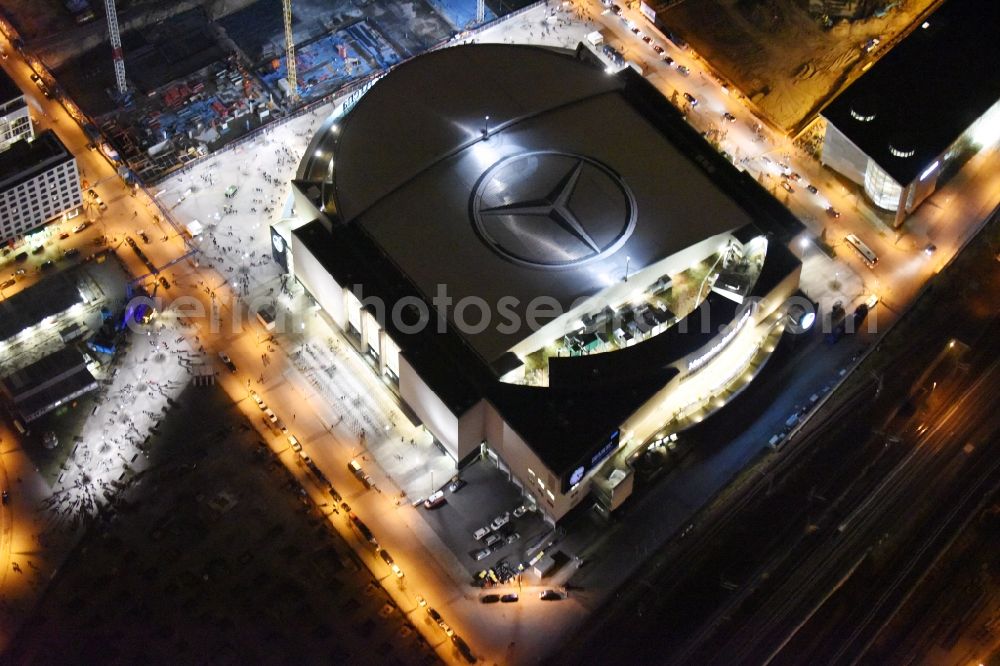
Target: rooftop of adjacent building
921, 96
26, 159
8, 89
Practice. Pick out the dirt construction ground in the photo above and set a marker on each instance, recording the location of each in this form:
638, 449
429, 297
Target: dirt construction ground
780, 56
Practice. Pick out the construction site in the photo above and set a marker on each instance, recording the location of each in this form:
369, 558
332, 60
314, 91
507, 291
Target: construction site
158, 86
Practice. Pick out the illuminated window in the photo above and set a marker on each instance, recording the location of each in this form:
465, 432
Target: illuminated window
901, 153
881, 188
862, 117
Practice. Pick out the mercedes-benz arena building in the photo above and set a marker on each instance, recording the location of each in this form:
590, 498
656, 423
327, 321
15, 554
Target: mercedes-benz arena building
544, 261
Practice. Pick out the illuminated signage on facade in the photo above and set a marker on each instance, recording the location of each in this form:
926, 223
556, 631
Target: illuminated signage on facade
577, 474
696, 363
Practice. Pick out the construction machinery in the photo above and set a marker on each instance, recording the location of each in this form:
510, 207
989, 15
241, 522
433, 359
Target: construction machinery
116, 48
293, 85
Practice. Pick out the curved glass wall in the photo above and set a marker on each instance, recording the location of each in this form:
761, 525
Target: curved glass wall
881, 188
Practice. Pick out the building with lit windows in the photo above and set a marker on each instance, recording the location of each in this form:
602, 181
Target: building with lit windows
922, 110
546, 263
15, 121
39, 182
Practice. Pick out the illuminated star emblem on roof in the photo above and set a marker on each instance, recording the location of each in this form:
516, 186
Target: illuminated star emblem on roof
585, 214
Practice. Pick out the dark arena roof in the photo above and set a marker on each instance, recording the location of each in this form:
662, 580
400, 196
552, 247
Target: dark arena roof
579, 171
926, 91
413, 173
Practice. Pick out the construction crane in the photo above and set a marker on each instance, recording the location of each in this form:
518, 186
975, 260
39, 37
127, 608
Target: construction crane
293, 84
116, 48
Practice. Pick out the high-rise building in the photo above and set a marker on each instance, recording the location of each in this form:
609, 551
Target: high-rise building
39, 182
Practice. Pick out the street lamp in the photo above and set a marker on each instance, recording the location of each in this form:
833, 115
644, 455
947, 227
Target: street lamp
486, 128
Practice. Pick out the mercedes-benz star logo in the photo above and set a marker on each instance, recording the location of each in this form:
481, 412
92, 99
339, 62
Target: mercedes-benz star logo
552, 210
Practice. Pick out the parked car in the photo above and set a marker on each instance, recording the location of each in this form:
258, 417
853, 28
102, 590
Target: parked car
70, 253
729, 117
786, 186
464, 648
659, 49
480, 533
228, 362
520, 511
832, 212
493, 539
683, 70
80, 227
256, 398
64, 235
456, 484
549, 595
38, 249
293, 442
7, 284
667, 59
435, 500
500, 520
47, 264
509, 598
489, 598
691, 98
481, 554
812, 188
21, 256
511, 538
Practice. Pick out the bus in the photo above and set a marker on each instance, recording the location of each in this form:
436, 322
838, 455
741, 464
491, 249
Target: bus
869, 257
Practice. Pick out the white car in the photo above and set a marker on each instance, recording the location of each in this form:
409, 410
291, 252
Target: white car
500, 520
435, 500
294, 443
480, 533
256, 398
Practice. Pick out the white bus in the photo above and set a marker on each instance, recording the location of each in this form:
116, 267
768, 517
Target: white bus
869, 257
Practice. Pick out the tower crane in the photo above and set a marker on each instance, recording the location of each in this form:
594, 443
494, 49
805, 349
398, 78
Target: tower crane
116, 47
293, 84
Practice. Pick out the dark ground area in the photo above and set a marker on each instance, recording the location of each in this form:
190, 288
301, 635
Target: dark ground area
213, 556
699, 572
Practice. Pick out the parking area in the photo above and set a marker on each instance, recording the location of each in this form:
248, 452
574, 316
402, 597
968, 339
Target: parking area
486, 495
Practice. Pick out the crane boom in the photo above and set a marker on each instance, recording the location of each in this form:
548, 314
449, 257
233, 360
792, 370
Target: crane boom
116, 47
293, 84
